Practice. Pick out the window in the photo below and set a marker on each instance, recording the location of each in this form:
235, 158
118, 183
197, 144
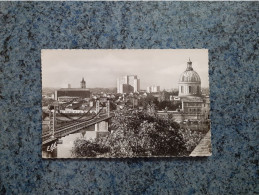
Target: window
190, 89
181, 89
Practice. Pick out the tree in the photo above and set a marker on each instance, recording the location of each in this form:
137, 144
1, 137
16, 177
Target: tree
137, 133
88, 148
150, 99
113, 106
168, 104
159, 105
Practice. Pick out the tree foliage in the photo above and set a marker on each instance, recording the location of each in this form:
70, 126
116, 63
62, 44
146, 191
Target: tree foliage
191, 138
159, 105
150, 99
88, 148
136, 133
167, 105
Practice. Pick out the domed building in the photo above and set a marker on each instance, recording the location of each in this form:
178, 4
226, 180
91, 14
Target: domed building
189, 82
194, 105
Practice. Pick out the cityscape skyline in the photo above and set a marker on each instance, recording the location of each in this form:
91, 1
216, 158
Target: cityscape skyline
83, 114
152, 67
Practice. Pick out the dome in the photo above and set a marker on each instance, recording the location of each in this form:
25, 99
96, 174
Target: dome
190, 76
189, 82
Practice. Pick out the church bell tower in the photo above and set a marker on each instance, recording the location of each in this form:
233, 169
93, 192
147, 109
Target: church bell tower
83, 86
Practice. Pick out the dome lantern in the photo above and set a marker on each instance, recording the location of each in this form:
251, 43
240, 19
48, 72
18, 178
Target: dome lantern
189, 65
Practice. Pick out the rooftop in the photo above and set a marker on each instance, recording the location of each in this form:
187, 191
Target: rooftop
73, 89
192, 99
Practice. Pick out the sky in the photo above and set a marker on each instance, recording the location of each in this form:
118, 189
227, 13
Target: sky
102, 67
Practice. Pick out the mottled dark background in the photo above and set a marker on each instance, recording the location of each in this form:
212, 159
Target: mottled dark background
228, 29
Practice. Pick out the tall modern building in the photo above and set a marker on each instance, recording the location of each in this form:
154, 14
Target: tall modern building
153, 89
128, 84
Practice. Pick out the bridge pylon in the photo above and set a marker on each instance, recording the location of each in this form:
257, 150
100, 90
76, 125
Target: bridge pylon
97, 107
52, 119
108, 107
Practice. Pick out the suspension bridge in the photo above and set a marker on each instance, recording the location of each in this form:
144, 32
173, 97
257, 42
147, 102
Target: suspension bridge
100, 120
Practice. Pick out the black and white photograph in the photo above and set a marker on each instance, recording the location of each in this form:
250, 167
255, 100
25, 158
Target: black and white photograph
125, 103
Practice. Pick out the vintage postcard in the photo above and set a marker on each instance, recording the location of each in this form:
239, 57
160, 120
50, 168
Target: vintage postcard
125, 103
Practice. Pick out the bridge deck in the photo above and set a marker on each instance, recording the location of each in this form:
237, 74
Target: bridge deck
72, 128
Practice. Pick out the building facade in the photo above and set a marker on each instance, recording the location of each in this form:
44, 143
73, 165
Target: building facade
153, 89
195, 106
128, 84
66, 94
136, 85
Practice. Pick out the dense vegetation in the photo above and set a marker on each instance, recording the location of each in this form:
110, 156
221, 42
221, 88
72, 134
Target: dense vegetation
139, 133
164, 104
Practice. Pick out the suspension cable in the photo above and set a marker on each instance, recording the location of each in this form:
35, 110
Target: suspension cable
84, 114
77, 120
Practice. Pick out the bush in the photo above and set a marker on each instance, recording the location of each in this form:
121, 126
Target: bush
88, 148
